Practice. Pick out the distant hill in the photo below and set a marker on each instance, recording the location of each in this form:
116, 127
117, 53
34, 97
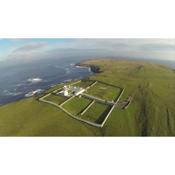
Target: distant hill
151, 112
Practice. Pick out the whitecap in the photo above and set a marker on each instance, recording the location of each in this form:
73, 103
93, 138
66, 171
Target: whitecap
31, 93
81, 67
34, 80
19, 84
9, 93
68, 80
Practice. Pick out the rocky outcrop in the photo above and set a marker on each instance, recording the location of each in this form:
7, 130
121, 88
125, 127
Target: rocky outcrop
94, 68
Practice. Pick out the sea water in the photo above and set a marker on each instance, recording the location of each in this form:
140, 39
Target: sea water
18, 80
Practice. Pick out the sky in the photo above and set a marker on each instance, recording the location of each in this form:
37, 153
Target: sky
33, 49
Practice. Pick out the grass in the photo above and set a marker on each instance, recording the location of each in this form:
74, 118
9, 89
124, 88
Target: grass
84, 83
151, 112
58, 99
76, 105
33, 118
104, 91
96, 111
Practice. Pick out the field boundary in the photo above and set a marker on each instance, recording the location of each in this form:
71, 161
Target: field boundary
71, 115
87, 107
97, 99
112, 108
66, 101
112, 104
91, 85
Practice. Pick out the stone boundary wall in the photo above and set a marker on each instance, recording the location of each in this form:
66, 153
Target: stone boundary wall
77, 118
67, 100
49, 102
86, 95
110, 111
80, 119
87, 107
98, 99
91, 85
109, 84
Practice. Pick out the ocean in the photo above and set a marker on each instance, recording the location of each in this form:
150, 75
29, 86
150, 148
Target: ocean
18, 80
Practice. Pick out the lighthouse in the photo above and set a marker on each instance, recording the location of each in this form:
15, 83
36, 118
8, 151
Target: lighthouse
66, 93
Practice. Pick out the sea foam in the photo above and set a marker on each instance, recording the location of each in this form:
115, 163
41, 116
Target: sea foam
34, 80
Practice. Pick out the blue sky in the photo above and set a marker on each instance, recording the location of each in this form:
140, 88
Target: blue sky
31, 49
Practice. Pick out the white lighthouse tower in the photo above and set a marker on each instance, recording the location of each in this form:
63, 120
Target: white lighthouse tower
65, 90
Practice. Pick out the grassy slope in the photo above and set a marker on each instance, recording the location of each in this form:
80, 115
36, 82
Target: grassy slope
33, 118
152, 111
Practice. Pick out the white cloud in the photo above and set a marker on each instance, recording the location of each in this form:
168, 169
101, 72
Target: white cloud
30, 47
131, 48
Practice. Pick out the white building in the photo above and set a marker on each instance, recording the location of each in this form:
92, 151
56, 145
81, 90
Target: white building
71, 90
65, 91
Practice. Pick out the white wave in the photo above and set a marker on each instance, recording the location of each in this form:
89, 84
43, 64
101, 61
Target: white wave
9, 93
38, 91
52, 85
68, 80
19, 84
34, 80
81, 67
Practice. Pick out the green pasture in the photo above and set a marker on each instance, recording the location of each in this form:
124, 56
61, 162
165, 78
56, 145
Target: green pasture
76, 105
95, 112
104, 91
58, 99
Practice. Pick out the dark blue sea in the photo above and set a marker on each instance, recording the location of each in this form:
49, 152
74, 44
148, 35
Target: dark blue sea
18, 80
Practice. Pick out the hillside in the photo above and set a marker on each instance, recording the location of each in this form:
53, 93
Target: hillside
151, 112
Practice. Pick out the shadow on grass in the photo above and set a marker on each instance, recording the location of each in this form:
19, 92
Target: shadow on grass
103, 115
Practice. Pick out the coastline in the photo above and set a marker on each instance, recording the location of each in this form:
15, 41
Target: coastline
93, 68
50, 86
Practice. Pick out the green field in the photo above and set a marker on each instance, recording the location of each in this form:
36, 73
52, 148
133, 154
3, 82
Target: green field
76, 105
104, 91
56, 98
84, 83
151, 113
96, 112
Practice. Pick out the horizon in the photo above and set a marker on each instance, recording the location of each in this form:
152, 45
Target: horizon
32, 49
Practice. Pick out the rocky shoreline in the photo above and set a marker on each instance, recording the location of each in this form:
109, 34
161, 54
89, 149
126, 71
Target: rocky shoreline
93, 68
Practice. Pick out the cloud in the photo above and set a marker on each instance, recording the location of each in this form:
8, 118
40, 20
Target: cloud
158, 47
87, 48
30, 47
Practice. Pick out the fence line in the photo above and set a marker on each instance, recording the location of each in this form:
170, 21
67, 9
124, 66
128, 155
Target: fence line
67, 101
91, 85
110, 111
87, 107
80, 119
98, 99
86, 95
